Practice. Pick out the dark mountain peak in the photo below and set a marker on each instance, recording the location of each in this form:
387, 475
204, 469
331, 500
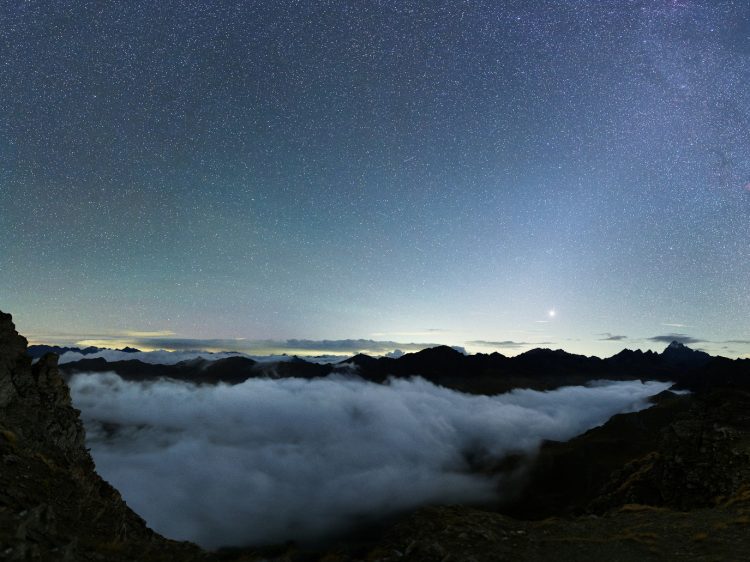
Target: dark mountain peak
297, 359
628, 352
95, 363
359, 359
537, 351
440, 351
546, 352
195, 362
233, 361
635, 354
679, 354
130, 350
678, 348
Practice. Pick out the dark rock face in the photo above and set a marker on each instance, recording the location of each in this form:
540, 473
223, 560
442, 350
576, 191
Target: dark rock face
35, 400
565, 478
702, 457
36, 351
679, 355
53, 505
686, 452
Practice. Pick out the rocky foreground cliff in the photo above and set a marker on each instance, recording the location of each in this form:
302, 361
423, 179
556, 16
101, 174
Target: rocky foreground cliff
670, 482
53, 504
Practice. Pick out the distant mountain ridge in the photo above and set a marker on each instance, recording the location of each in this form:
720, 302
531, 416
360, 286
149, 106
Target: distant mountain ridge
479, 373
40, 350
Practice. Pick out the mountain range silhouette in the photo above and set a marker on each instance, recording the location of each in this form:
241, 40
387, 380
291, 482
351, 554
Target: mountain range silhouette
540, 368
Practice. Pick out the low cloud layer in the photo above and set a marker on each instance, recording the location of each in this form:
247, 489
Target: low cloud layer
507, 343
607, 336
681, 338
276, 460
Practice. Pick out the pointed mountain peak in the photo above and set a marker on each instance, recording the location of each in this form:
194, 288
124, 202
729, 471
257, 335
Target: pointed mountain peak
440, 350
359, 359
677, 353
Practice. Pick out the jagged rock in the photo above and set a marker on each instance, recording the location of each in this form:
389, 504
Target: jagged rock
53, 504
702, 457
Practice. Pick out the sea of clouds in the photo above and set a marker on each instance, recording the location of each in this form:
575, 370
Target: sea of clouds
274, 460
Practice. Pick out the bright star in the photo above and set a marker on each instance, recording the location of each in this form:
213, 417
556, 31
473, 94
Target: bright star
552, 313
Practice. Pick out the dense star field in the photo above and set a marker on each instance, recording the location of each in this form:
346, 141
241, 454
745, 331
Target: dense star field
493, 175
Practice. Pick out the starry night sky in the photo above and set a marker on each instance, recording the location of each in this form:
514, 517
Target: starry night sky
408, 171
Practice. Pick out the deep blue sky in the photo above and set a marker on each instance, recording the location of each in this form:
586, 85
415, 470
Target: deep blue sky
443, 172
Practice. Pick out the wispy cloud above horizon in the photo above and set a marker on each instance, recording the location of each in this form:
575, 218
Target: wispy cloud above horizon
681, 338
149, 334
607, 336
509, 344
414, 333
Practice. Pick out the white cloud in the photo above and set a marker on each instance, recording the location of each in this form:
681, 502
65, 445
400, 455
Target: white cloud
290, 459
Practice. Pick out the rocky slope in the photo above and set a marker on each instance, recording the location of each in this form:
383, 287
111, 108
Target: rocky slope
53, 505
668, 483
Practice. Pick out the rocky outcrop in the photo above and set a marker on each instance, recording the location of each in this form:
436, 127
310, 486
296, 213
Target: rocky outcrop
53, 504
702, 458
35, 402
566, 477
